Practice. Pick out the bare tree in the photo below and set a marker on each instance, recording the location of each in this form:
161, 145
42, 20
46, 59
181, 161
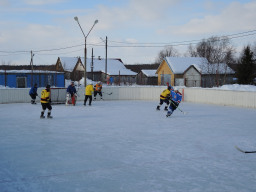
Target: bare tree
191, 52
216, 50
170, 51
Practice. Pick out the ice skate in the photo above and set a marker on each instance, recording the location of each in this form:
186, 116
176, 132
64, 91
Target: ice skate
42, 115
168, 114
49, 116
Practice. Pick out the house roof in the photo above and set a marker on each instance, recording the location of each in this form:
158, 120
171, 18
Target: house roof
28, 71
149, 73
220, 68
28, 67
68, 63
113, 66
138, 68
180, 64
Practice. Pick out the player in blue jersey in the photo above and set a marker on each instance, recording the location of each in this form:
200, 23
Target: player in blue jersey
175, 99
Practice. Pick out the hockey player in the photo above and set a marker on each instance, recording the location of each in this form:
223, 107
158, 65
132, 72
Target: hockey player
164, 98
71, 94
33, 94
97, 89
88, 94
46, 102
175, 99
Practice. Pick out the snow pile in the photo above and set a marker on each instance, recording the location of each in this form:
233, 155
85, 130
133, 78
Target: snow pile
237, 87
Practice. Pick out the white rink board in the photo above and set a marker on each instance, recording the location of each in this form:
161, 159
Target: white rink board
193, 95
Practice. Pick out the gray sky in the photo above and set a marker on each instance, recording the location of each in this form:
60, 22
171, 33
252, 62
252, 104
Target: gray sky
137, 30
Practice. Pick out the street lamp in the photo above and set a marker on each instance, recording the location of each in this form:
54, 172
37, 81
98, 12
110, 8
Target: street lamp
106, 59
85, 50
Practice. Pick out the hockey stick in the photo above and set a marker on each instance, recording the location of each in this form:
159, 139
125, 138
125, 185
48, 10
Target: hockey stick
184, 113
108, 93
244, 151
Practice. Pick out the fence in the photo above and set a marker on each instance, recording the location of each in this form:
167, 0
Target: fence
194, 95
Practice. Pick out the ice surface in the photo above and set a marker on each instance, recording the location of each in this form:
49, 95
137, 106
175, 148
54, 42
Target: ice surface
128, 146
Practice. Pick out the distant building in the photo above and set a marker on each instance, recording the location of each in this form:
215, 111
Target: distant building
193, 72
146, 73
138, 67
115, 69
27, 78
147, 77
95, 70
72, 66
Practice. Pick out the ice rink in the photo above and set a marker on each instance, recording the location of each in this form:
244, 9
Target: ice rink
127, 146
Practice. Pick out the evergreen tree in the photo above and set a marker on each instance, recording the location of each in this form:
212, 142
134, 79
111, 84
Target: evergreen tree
246, 68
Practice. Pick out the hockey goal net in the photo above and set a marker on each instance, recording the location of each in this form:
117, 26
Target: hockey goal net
58, 95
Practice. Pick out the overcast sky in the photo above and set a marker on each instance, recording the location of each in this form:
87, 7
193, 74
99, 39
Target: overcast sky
137, 30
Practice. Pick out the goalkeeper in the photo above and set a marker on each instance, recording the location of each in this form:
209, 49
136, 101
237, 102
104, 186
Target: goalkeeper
71, 94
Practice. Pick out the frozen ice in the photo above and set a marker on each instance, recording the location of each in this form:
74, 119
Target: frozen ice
126, 146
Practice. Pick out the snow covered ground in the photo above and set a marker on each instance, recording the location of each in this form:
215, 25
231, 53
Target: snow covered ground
126, 146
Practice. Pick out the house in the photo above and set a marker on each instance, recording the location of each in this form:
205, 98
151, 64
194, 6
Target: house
95, 69
191, 77
147, 77
138, 67
145, 74
72, 66
216, 74
115, 69
27, 78
193, 72
172, 69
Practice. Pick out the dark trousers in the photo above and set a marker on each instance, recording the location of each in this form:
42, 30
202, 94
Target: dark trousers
86, 98
164, 101
174, 105
96, 92
46, 105
33, 96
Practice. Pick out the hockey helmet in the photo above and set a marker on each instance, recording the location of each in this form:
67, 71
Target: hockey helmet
48, 86
170, 87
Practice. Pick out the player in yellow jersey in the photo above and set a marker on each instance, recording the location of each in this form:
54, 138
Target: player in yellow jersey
46, 102
164, 98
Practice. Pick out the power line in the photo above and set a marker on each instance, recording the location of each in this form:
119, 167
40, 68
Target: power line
135, 45
181, 42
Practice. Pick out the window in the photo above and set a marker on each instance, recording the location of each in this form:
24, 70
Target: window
50, 79
165, 78
21, 82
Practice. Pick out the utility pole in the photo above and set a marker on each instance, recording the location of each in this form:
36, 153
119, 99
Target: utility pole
92, 65
106, 60
32, 68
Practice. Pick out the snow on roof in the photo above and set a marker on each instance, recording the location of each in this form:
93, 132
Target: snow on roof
149, 72
113, 67
220, 68
180, 64
27, 71
68, 63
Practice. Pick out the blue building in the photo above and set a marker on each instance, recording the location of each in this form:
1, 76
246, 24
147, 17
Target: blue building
25, 78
